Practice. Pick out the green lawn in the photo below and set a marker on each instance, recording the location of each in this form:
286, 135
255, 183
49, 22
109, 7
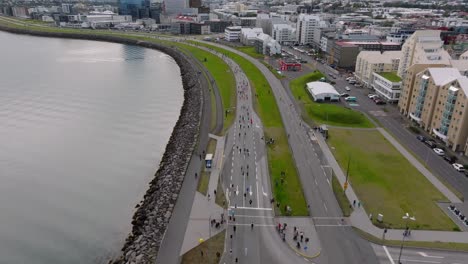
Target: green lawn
203, 182
249, 50
341, 197
325, 113
209, 248
386, 182
279, 156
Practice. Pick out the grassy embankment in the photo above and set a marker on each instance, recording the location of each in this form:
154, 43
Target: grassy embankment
324, 113
279, 156
386, 182
249, 50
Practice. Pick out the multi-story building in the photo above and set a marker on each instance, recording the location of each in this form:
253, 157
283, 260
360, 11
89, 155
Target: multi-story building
344, 53
368, 62
387, 85
439, 103
283, 33
423, 47
399, 35
265, 44
135, 8
232, 33
248, 35
305, 28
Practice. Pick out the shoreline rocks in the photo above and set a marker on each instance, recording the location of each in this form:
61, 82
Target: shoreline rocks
152, 215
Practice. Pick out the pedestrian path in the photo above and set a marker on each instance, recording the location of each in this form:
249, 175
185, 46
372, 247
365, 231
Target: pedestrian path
360, 219
204, 208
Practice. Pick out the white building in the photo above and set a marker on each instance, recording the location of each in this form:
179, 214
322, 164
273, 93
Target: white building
232, 33
387, 85
265, 44
248, 35
322, 91
284, 34
305, 28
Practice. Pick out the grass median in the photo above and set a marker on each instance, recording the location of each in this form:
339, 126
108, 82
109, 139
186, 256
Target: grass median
279, 155
325, 113
386, 182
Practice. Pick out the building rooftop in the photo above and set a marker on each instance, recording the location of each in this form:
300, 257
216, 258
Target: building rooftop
378, 57
321, 88
442, 76
391, 76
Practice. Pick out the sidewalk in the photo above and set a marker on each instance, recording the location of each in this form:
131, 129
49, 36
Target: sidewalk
203, 209
310, 249
359, 217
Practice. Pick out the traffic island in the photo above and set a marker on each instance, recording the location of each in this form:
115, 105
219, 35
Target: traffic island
300, 235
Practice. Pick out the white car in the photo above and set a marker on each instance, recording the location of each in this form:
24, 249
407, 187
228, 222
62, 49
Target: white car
439, 151
347, 88
371, 96
349, 78
458, 167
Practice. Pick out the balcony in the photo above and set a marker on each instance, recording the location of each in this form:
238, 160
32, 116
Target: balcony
415, 117
439, 134
449, 107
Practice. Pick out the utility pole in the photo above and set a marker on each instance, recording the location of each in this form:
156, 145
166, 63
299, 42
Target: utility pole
347, 173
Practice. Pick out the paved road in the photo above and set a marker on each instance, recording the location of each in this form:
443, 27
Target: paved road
340, 244
395, 124
174, 236
245, 176
390, 255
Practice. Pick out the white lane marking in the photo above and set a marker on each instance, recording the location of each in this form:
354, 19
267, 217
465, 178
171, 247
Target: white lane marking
232, 224
325, 207
237, 189
252, 208
388, 255
315, 181
263, 191
420, 261
328, 181
331, 225
250, 190
427, 256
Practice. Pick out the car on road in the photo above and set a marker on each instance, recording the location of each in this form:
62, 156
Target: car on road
351, 99
449, 159
332, 76
459, 167
421, 138
323, 79
430, 143
347, 88
344, 95
439, 151
371, 96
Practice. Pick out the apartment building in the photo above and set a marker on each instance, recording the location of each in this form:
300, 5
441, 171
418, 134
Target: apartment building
368, 62
423, 47
305, 28
284, 34
439, 105
232, 33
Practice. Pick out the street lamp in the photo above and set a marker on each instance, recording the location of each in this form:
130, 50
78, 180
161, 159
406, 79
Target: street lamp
406, 217
347, 174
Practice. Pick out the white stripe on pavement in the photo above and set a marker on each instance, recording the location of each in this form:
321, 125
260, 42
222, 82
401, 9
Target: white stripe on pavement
388, 254
251, 208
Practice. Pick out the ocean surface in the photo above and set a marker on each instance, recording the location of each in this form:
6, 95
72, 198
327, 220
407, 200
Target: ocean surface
83, 126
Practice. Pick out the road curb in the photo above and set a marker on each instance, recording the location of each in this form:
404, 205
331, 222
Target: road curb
304, 255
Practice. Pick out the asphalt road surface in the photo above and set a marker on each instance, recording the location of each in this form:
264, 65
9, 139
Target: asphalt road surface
245, 175
390, 255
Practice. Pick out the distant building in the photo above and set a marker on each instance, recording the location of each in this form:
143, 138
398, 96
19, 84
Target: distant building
218, 26
232, 33
387, 85
423, 47
344, 53
248, 35
305, 28
19, 11
400, 35
175, 6
195, 3
265, 44
368, 62
66, 8
248, 21
135, 8
284, 34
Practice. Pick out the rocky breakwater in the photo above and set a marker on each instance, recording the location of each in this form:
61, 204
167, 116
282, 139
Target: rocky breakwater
154, 212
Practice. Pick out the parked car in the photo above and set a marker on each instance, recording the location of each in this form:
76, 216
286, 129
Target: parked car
421, 138
347, 88
323, 79
349, 78
430, 143
358, 85
351, 99
449, 159
371, 96
458, 167
352, 82
379, 102
344, 95
439, 151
